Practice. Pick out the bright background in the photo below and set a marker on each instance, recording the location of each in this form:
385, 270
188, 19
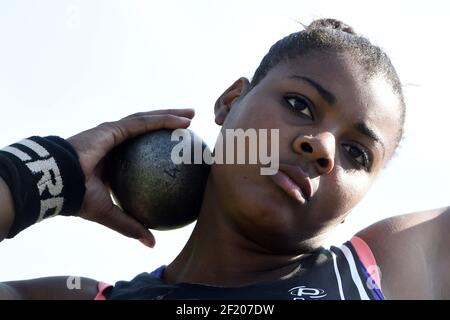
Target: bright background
68, 65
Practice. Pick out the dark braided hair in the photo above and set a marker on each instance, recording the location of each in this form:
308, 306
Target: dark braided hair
330, 35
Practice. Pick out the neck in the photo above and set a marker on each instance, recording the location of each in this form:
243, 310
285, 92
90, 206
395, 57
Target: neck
217, 253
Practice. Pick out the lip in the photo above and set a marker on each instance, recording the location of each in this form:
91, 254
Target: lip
294, 181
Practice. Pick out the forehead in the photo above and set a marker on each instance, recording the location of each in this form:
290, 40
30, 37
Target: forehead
359, 98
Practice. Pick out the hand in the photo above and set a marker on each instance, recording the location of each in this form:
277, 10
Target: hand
93, 145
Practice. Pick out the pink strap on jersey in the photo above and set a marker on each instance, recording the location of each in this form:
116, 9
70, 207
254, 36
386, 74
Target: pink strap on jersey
367, 258
102, 286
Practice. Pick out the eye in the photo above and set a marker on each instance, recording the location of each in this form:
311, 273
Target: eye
358, 155
300, 104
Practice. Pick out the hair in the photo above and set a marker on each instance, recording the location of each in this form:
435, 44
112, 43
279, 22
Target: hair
330, 35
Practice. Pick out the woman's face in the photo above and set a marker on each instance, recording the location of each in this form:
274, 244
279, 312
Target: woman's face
336, 127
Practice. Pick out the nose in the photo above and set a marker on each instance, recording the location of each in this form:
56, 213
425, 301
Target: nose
318, 149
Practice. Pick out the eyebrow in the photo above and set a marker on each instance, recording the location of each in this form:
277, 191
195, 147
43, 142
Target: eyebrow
365, 130
324, 93
361, 127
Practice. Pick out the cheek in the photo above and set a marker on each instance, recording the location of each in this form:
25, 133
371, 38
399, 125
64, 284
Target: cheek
342, 191
254, 111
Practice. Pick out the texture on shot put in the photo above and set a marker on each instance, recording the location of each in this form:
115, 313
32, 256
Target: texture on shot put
149, 186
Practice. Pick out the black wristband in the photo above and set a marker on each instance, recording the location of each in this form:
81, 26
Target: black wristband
45, 179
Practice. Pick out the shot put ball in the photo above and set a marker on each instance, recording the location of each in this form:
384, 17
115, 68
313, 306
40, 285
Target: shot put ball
150, 187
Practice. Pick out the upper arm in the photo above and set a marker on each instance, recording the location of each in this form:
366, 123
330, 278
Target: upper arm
413, 254
51, 288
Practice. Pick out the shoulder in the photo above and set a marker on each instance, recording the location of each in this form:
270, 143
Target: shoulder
410, 251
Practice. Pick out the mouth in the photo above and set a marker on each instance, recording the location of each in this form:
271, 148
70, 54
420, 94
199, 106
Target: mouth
294, 181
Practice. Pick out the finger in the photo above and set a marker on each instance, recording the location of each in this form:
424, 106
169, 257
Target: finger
187, 113
119, 221
127, 128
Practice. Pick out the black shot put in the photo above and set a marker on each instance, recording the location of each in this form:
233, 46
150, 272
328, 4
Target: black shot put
149, 186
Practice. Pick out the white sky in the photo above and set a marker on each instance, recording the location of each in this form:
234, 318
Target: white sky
66, 66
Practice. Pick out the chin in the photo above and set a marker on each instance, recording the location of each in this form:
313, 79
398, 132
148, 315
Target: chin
269, 211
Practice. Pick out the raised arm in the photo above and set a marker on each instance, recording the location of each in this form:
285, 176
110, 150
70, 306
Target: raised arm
413, 253
91, 147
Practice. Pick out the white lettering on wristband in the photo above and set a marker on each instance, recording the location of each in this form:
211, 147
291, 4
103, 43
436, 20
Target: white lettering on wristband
48, 168
50, 177
51, 203
18, 153
36, 147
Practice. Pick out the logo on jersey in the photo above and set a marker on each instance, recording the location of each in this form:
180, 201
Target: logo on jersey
305, 293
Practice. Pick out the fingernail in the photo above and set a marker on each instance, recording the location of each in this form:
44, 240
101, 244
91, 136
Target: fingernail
147, 242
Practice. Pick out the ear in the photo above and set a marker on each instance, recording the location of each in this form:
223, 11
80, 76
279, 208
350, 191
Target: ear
226, 100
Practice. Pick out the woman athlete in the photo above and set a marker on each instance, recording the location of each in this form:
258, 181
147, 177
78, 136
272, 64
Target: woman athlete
338, 104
